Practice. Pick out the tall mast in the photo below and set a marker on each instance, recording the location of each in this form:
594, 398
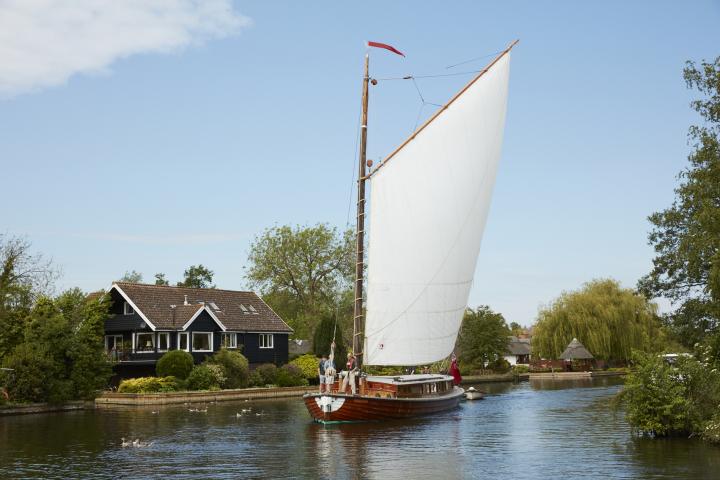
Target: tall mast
359, 262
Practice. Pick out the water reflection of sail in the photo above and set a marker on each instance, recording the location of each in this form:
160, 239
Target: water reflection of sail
338, 450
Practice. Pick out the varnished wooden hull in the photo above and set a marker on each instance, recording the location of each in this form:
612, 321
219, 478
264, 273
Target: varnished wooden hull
368, 409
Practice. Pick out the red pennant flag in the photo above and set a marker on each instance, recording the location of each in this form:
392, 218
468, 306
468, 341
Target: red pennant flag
385, 46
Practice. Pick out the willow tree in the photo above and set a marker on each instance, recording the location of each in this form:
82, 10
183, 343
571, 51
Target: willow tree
609, 320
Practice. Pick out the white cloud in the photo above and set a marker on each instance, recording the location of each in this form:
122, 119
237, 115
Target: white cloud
45, 42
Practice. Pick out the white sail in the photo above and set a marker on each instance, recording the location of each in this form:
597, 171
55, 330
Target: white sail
428, 208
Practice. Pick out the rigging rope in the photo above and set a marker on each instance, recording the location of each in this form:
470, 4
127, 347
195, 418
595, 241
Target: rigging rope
352, 181
423, 102
408, 77
473, 59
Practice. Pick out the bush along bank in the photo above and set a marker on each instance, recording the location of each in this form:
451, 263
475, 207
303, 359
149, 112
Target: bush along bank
225, 370
680, 399
52, 351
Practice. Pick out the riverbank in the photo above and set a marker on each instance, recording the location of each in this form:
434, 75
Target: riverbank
26, 409
573, 375
493, 378
114, 399
109, 399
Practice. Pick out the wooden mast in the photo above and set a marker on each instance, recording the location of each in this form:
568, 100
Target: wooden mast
358, 324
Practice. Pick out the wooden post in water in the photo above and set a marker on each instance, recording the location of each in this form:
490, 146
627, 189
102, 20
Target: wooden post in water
358, 324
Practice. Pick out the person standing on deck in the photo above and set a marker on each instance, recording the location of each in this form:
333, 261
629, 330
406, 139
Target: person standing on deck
454, 370
330, 369
349, 376
321, 372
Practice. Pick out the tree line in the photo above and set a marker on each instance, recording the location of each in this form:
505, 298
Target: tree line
51, 346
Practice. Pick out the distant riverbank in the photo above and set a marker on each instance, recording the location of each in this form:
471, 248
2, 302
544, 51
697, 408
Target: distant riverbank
114, 399
28, 408
511, 377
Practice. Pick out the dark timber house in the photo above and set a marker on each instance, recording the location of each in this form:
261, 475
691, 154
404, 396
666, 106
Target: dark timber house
148, 320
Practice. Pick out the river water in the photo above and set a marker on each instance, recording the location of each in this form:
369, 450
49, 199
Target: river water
536, 430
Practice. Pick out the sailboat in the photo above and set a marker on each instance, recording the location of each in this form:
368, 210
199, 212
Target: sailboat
429, 202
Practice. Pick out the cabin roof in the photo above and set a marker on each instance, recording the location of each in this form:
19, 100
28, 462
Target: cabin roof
409, 379
165, 307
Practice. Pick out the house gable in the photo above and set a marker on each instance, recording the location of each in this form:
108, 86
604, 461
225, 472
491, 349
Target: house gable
117, 288
200, 321
118, 321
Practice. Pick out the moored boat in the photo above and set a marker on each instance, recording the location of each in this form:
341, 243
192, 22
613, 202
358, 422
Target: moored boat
472, 394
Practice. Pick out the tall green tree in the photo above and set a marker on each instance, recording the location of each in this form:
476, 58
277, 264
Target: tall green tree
303, 273
24, 276
160, 279
131, 276
483, 336
197, 276
61, 355
327, 330
90, 369
686, 236
609, 320
516, 329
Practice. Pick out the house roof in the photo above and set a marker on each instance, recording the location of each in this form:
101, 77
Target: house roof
576, 351
94, 295
165, 307
518, 346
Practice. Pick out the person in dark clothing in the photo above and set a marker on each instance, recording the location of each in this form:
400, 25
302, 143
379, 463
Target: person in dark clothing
454, 370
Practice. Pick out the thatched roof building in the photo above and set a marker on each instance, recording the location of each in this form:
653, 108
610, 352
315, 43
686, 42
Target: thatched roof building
576, 351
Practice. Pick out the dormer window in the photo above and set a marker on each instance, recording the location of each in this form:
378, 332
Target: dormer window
127, 309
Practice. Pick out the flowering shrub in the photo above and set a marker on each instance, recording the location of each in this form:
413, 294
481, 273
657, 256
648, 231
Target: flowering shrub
680, 399
308, 364
206, 377
236, 368
711, 432
149, 385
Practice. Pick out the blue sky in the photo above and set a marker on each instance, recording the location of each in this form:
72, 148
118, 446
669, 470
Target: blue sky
152, 140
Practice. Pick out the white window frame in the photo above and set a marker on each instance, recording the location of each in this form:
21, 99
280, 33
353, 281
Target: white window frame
233, 340
115, 336
128, 309
269, 340
192, 337
166, 335
136, 342
187, 341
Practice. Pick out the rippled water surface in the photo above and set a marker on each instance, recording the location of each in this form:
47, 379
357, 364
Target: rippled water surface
520, 431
